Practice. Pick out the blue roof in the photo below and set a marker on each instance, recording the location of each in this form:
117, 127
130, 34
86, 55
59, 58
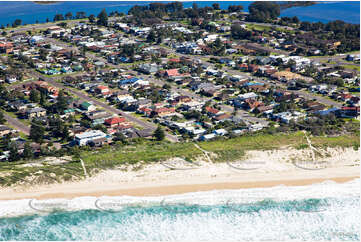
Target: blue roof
253, 83
325, 112
128, 81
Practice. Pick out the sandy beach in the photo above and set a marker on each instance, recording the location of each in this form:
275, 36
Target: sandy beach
288, 167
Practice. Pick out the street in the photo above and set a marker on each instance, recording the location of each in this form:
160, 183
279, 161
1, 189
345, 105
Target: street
105, 106
17, 124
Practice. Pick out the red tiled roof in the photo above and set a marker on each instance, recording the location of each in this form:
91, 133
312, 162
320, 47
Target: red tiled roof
6, 45
212, 110
350, 108
145, 109
172, 72
164, 110
102, 87
174, 60
114, 120
222, 117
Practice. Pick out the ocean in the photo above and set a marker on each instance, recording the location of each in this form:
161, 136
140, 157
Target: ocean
30, 12
324, 211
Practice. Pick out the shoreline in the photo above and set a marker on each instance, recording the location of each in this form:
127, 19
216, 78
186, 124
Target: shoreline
181, 189
158, 179
145, 191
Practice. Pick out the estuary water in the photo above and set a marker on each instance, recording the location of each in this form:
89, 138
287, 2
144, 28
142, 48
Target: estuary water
30, 12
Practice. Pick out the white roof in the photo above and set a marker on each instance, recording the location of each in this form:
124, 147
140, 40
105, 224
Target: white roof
209, 136
220, 131
248, 95
90, 134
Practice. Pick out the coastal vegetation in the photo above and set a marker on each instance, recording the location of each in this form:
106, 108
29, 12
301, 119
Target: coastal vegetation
290, 4
46, 2
142, 151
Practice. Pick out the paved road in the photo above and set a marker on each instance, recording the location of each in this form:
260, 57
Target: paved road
17, 124
107, 107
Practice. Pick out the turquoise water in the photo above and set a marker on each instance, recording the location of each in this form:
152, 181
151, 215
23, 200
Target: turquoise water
326, 211
30, 12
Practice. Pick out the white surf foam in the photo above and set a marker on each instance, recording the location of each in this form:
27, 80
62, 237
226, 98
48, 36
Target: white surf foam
327, 189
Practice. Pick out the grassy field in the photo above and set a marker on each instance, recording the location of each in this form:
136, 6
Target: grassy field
146, 151
352, 67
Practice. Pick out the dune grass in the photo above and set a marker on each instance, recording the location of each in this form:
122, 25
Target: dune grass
147, 151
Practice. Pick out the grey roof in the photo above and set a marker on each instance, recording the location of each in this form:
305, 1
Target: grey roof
35, 110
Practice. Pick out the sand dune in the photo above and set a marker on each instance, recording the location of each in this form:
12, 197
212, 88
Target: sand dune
257, 169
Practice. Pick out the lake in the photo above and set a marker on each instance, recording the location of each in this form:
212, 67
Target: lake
30, 12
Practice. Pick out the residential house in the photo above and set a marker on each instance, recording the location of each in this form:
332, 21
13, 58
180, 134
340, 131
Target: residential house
87, 106
4, 130
286, 117
102, 90
11, 79
251, 104
114, 121
6, 47
171, 73
90, 137
98, 117
222, 117
163, 112
348, 112
35, 112
212, 111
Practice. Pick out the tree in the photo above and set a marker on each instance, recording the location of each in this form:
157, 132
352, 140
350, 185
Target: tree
17, 22
69, 15
235, 8
103, 18
195, 6
2, 119
43, 54
62, 24
65, 132
37, 132
151, 37
216, 6
159, 134
58, 17
42, 101
167, 86
62, 102
80, 15
91, 18
217, 43
34, 96
120, 137
83, 50
263, 11
13, 152
238, 32
27, 152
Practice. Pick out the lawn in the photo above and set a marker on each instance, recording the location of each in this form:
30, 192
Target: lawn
258, 27
352, 67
